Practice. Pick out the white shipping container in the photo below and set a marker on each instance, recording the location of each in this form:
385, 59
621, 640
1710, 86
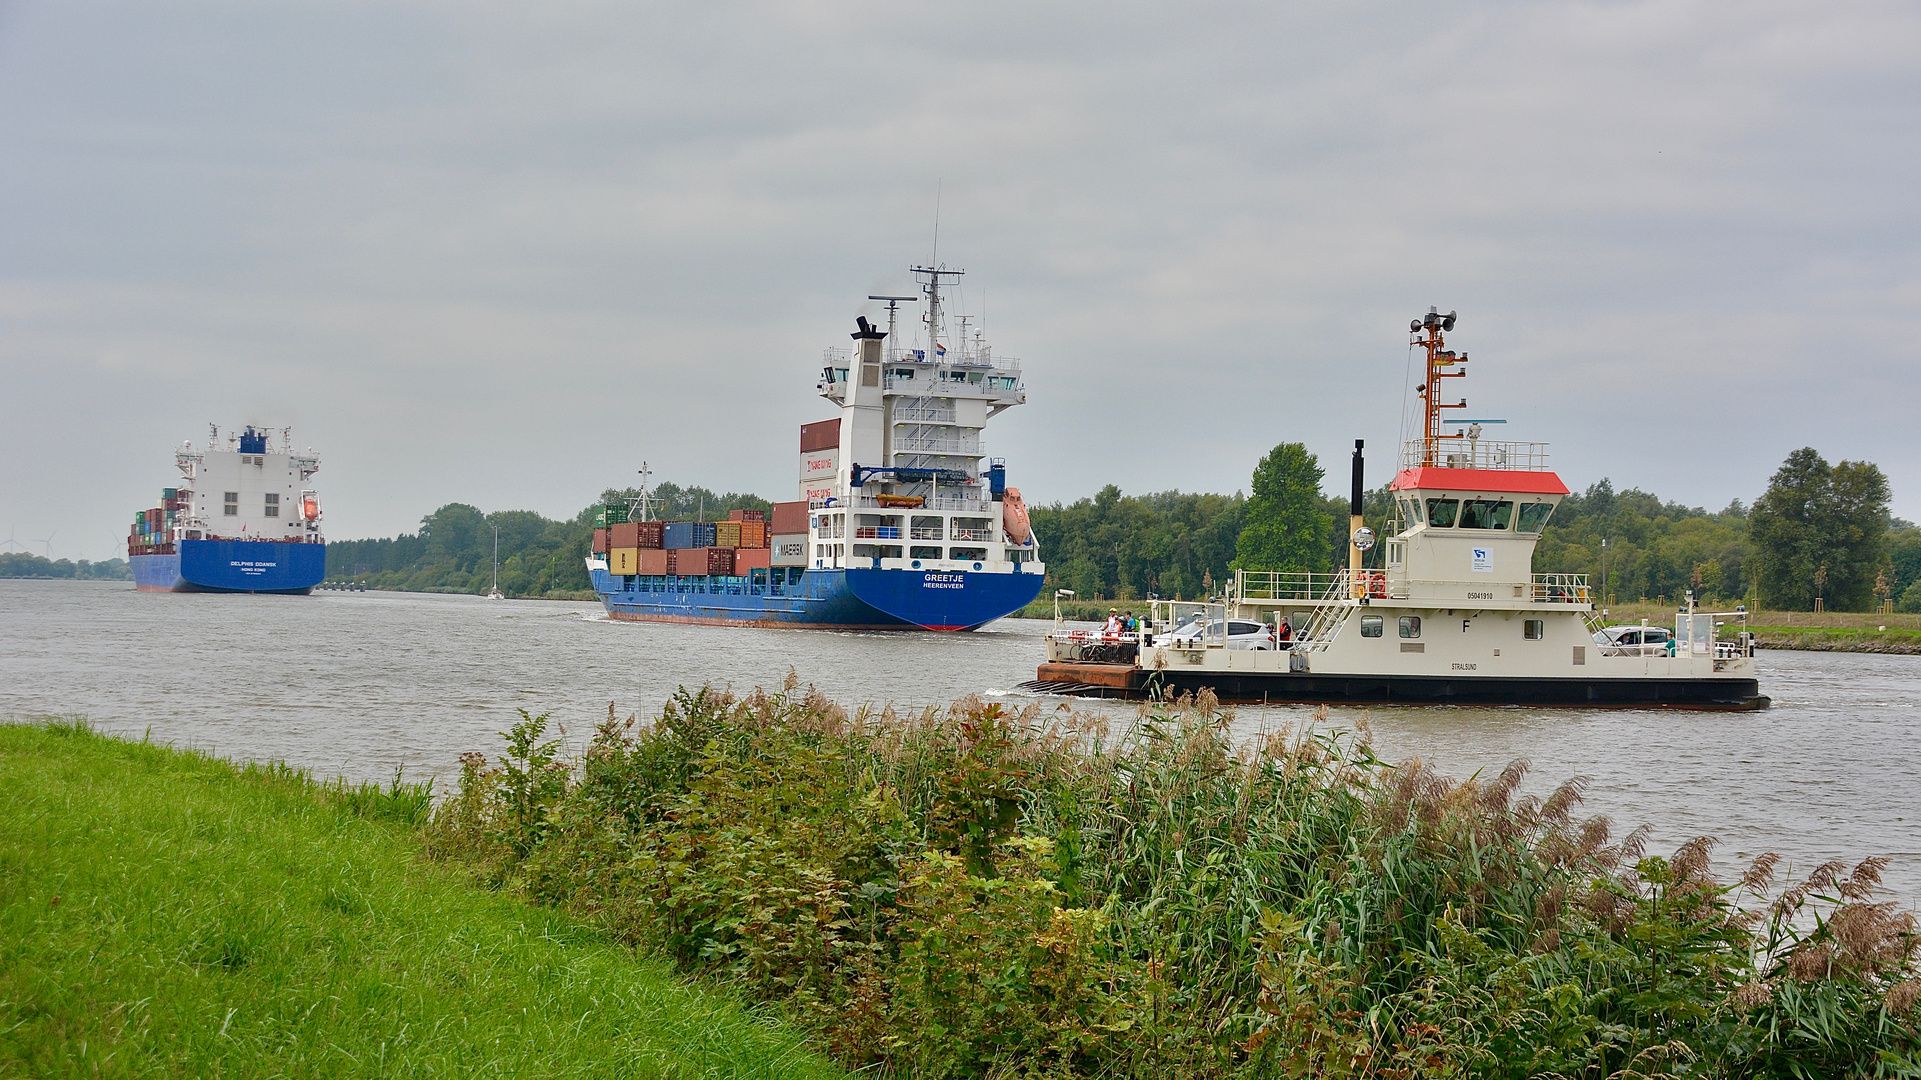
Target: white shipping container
819, 466
789, 549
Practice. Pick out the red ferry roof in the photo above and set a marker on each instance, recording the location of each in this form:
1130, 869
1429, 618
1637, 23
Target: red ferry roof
1506, 481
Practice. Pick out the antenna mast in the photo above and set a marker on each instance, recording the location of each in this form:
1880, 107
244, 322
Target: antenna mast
893, 311
931, 287
1428, 330
646, 474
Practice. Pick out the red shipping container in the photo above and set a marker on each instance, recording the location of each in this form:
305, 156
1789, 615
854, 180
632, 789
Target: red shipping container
651, 533
746, 515
600, 541
789, 517
720, 561
655, 562
824, 435
746, 559
626, 535
753, 534
692, 562
673, 560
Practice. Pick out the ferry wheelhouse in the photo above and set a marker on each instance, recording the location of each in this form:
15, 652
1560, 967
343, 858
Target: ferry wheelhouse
1452, 613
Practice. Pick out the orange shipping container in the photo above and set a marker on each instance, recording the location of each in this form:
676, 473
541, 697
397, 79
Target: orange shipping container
623, 561
746, 559
753, 534
654, 562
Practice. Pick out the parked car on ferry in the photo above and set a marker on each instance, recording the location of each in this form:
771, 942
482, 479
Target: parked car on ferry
1630, 638
1241, 634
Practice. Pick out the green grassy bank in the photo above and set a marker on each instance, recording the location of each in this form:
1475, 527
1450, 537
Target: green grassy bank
166, 914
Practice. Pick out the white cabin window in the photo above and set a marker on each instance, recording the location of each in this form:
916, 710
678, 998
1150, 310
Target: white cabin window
1370, 626
232, 504
273, 504
1410, 626
1534, 629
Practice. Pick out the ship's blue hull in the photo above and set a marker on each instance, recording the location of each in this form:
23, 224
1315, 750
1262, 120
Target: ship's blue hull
838, 599
249, 566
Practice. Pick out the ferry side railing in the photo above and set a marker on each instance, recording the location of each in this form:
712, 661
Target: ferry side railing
1453, 453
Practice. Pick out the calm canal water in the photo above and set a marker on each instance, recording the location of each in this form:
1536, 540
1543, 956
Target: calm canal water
360, 684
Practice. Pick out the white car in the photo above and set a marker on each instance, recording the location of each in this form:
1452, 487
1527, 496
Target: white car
1631, 639
1242, 634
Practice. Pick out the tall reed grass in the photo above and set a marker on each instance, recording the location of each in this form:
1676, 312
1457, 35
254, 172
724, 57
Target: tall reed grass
973, 892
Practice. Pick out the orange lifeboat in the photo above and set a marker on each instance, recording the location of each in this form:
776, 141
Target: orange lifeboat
310, 508
1014, 517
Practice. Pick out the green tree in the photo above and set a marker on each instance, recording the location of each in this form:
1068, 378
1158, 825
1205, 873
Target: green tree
1287, 524
1820, 530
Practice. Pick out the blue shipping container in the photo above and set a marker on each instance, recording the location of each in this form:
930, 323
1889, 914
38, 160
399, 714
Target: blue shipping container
687, 534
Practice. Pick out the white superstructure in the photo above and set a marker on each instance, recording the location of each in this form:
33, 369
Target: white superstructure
245, 488
905, 487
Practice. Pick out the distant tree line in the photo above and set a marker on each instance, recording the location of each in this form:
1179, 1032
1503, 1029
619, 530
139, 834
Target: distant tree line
22, 564
1818, 530
454, 549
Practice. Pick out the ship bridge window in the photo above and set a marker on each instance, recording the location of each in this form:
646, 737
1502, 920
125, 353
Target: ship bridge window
1411, 510
1486, 514
1534, 516
1440, 512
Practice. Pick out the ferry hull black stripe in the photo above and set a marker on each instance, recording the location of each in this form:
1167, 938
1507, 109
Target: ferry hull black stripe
1313, 689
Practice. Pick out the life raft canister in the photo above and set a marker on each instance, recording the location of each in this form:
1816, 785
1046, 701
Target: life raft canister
1014, 518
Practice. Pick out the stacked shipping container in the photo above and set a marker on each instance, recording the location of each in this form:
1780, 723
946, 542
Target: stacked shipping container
728, 548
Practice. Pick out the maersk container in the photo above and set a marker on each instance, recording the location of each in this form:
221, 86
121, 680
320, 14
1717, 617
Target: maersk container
788, 549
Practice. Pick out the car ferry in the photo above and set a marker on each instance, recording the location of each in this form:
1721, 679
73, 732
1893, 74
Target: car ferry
1453, 613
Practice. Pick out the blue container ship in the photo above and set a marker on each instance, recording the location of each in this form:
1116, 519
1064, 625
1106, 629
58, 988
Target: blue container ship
902, 522
245, 521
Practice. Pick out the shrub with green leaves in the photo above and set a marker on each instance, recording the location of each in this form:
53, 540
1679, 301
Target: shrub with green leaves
974, 892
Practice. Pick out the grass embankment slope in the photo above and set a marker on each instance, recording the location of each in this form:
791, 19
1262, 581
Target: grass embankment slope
164, 913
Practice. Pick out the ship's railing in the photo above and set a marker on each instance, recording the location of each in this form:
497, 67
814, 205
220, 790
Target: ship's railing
1463, 453
877, 532
937, 444
960, 503
975, 535
921, 533
1265, 585
1559, 589
923, 413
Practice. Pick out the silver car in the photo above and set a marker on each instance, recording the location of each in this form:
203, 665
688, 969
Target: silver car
1243, 634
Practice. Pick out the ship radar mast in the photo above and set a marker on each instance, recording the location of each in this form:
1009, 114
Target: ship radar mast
893, 312
931, 287
1442, 363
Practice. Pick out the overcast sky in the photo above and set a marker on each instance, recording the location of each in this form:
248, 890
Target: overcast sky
502, 253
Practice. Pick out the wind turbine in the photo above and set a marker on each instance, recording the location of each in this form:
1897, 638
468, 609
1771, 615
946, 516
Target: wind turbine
10, 540
49, 542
